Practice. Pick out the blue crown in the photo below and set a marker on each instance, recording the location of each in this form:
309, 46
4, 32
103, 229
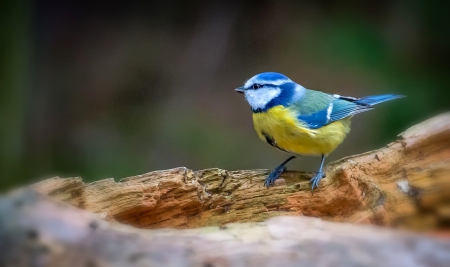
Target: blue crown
271, 76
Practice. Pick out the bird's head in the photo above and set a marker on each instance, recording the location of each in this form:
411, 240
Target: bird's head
269, 89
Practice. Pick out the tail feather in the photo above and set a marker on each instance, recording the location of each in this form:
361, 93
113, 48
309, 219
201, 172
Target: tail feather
376, 99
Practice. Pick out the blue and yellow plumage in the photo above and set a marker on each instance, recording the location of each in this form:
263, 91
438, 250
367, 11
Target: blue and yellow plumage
301, 121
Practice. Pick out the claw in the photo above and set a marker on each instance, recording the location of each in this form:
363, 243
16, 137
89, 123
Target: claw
274, 175
315, 180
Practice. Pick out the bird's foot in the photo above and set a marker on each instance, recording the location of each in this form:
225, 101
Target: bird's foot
274, 175
316, 179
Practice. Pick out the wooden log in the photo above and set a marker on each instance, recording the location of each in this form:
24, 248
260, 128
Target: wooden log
406, 183
38, 231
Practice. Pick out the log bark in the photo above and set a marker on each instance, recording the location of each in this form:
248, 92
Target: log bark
38, 231
404, 184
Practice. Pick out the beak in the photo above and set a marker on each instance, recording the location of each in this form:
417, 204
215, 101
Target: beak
240, 89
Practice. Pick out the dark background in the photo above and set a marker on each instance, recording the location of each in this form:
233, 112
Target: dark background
101, 89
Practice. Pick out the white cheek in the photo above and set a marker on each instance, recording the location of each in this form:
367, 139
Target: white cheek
259, 98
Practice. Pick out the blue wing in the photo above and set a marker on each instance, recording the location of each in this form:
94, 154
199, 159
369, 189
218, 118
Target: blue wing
336, 110
340, 107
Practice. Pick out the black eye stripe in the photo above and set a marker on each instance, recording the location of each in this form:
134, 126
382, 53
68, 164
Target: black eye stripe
258, 86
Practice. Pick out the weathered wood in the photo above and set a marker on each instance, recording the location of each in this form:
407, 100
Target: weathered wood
38, 231
406, 183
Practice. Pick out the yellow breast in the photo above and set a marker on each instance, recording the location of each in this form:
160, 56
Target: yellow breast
281, 125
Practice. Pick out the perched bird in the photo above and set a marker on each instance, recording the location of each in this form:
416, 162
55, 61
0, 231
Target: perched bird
301, 121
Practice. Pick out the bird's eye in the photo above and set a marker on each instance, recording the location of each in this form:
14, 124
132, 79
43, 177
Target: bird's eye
256, 86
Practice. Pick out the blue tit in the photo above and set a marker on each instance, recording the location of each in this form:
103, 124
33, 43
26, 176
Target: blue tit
301, 121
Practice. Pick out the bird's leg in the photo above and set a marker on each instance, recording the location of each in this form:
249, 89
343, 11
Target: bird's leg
319, 175
275, 174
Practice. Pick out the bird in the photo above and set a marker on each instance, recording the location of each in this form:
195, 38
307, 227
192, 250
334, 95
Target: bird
301, 121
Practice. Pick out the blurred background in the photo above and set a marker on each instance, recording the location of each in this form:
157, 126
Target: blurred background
103, 89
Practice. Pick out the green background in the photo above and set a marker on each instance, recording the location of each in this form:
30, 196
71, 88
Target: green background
104, 90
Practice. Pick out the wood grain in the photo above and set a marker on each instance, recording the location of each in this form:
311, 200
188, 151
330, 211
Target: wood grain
39, 231
404, 184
